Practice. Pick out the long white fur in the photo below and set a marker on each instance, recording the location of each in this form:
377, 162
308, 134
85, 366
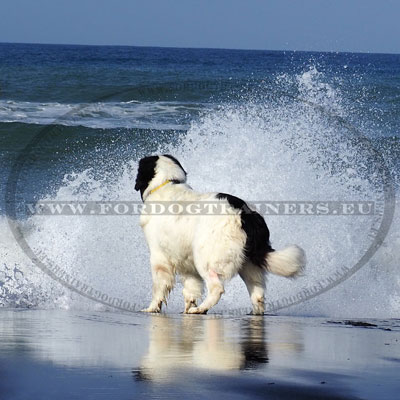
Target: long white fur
202, 248
288, 262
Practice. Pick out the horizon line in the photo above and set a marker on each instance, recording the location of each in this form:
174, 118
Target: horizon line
200, 48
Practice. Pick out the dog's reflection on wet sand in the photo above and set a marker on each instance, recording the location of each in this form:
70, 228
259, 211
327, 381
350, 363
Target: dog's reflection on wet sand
206, 344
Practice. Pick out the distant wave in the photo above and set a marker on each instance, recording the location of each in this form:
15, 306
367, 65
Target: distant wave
130, 114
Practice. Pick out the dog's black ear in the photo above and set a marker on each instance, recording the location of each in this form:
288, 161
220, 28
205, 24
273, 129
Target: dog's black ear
146, 172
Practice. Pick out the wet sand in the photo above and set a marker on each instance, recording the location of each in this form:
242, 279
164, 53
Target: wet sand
105, 355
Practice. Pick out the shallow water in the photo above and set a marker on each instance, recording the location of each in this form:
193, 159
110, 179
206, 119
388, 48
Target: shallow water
94, 355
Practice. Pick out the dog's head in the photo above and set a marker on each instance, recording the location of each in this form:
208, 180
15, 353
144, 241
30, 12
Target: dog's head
155, 170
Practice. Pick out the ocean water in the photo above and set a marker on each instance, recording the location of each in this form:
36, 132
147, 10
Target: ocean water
262, 125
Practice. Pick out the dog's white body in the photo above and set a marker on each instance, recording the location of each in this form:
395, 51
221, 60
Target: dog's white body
202, 248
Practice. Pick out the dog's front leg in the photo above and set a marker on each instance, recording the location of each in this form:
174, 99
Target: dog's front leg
215, 290
163, 282
192, 289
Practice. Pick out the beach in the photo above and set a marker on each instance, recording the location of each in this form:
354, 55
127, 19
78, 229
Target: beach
69, 355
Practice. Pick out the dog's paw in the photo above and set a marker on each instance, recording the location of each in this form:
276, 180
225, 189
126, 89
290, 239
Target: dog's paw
257, 312
189, 305
151, 310
197, 310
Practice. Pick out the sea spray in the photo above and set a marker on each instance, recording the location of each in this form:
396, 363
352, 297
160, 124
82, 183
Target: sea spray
264, 146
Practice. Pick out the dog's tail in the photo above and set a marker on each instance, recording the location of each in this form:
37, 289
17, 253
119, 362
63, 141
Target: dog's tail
288, 262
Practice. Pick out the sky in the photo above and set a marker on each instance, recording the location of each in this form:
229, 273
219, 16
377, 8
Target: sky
314, 25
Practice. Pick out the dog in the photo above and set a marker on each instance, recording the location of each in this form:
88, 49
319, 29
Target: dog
202, 247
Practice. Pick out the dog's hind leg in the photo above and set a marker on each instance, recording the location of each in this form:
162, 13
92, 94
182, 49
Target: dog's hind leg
163, 282
215, 290
254, 278
192, 289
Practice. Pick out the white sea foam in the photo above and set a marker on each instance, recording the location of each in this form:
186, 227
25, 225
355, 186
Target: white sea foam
255, 150
131, 114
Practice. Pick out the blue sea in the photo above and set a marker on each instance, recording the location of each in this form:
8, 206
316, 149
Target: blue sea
262, 125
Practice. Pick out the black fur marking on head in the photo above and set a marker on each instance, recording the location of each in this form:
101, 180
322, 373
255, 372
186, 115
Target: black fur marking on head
146, 172
175, 161
257, 232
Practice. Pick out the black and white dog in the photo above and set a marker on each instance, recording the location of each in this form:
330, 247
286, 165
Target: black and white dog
206, 248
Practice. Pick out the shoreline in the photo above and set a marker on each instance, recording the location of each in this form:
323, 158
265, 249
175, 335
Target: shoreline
80, 354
